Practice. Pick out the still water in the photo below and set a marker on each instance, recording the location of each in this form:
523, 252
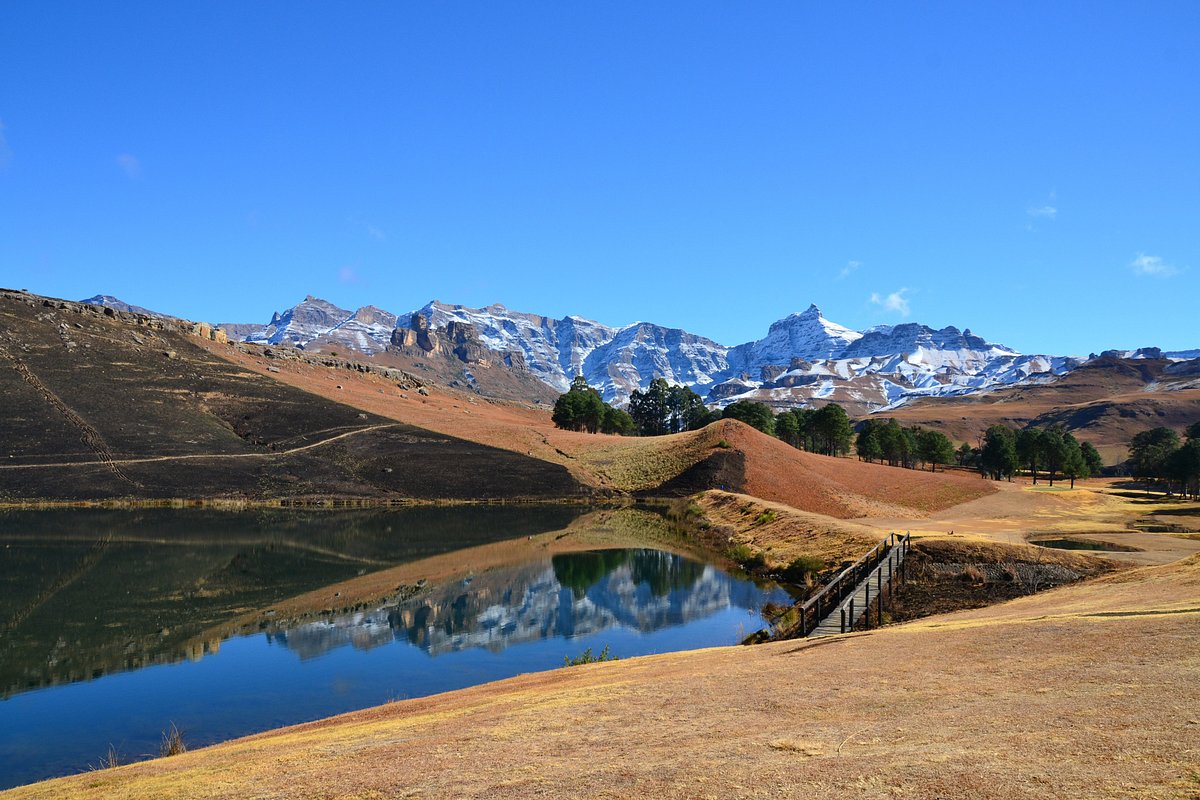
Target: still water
112, 621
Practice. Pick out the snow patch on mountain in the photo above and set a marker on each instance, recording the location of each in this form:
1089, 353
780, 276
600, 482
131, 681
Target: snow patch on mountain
804, 358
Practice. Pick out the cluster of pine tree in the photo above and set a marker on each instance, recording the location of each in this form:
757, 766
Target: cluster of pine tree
1158, 455
1052, 449
582, 409
899, 446
664, 408
825, 430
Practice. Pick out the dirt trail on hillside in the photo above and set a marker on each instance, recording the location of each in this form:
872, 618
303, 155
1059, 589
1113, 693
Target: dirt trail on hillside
87, 434
194, 456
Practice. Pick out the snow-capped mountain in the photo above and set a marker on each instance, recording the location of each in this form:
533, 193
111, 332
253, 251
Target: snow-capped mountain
807, 336
804, 358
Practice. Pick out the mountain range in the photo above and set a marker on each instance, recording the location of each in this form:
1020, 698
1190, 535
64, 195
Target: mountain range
804, 358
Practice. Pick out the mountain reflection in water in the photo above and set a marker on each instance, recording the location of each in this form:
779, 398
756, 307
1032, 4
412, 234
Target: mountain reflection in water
567, 596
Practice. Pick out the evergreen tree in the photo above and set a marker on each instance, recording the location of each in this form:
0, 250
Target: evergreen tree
650, 409
1054, 450
1029, 450
998, 457
787, 428
934, 448
966, 455
755, 414
1091, 457
580, 408
617, 421
833, 430
1074, 465
1150, 450
868, 444
804, 419
1183, 465
686, 410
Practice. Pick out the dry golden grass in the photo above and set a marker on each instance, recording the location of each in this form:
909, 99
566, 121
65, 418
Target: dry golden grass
780, 533
1020, 511
1092, 690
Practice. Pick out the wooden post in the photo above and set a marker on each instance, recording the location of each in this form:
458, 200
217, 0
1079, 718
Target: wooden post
867, 602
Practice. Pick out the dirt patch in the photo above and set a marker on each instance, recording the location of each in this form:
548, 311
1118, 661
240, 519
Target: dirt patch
945, 575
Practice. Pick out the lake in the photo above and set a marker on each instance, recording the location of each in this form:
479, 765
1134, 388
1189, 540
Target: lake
116, 624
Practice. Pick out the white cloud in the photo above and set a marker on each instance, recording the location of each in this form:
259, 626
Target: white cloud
1152, 266
131, 166
1042, 212
5, 152
376, 233
348, 275
896, 301
849, 269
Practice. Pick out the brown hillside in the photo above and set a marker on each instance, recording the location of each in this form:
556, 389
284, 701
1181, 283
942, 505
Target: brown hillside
102, 405
839, 487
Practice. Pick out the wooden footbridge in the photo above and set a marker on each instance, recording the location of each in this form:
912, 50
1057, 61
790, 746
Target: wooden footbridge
858, 594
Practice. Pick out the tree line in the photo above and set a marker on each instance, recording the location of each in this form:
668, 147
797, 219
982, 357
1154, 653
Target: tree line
1049, 452
899, 446
1052, 450
1158, 455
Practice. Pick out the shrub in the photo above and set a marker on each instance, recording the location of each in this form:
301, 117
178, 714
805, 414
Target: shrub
801, 567
747, 557
765, 518
586, 657
971, 574
723, 444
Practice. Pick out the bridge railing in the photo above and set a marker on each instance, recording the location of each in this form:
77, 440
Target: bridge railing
843, 585
887, 572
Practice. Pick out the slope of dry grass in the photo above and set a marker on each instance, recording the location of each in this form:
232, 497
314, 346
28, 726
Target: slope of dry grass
1087, 691
780, 533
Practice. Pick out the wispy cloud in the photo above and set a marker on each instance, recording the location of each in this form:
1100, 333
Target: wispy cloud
1045, 211
131, 166
5, 151
371, 229
849, 269
348, 274
1152, 266
896, 301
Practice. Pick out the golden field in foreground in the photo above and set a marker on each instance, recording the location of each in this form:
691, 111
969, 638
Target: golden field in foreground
1091, 690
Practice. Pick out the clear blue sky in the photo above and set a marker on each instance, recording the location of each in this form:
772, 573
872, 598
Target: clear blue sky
1031, 171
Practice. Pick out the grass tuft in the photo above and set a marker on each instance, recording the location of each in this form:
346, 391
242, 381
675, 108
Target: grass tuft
172, 742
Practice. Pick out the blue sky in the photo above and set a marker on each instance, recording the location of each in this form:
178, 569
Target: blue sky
1031, 171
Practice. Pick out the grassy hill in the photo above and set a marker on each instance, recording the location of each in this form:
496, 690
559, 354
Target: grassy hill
101, 405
